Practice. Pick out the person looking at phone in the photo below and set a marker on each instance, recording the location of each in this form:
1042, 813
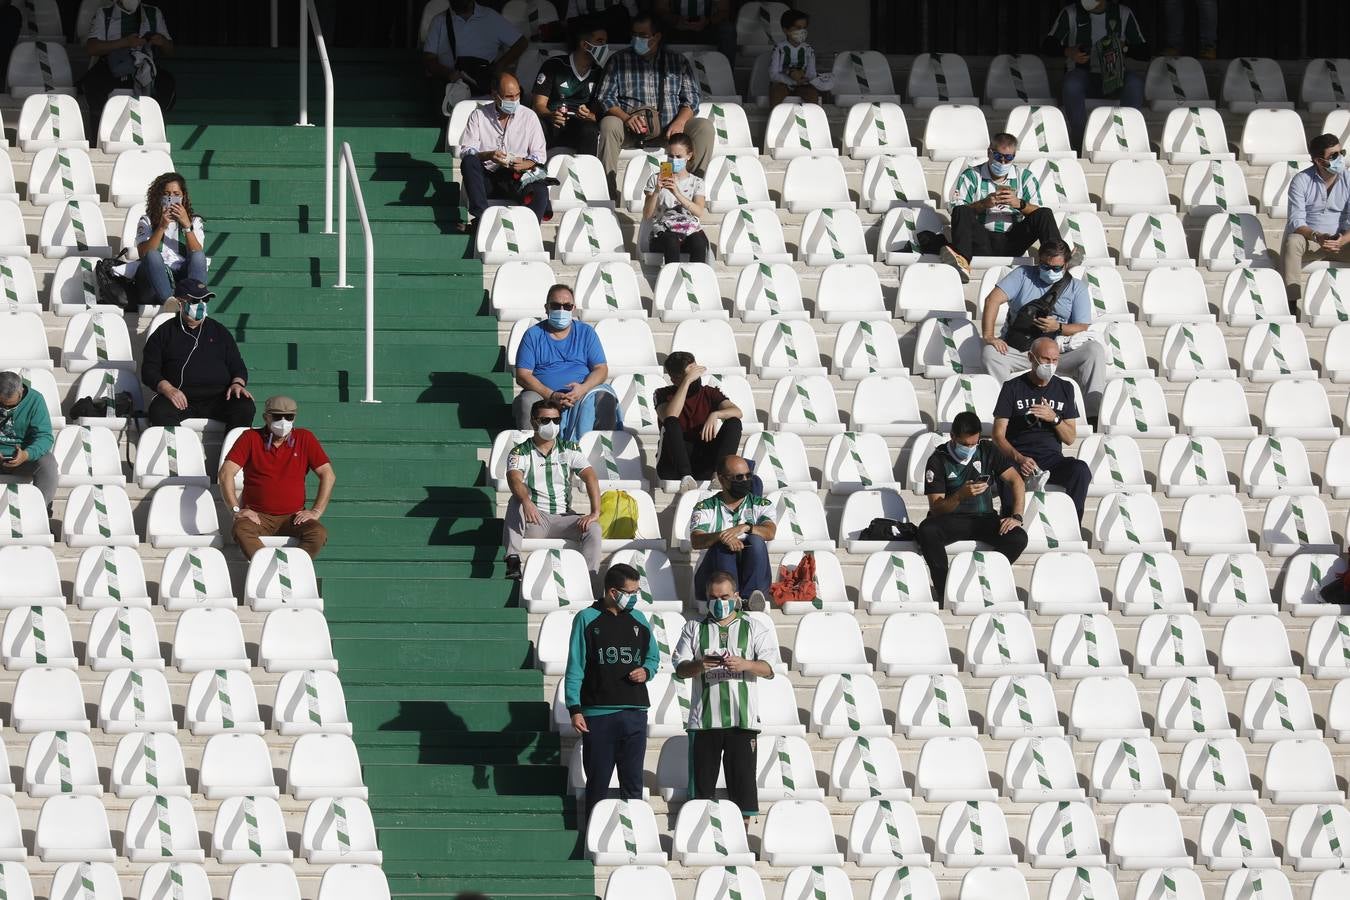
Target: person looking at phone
1095, 37
958, 482
693, 444
1044, 300
724, 654
501, 154
611, 657
127, 42
169, 242
734, 526
564, 92
1035, 417
26, 438
675, 204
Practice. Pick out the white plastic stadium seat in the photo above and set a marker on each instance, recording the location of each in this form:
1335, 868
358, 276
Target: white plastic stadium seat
21, 648
1121, 415
1022, 775
322, 842
603, 290
72, 828
1064, 580
1300, 409
1137, 186
973, 834
48, 699
1116, 132
804, 405
131, 123
815, 182
508, 233
106, 576
24, 342
589, 234
1229, 842
71, 227
1235, 584
207, 712
581, 182
183, 516
162, 830
1190, 706
1171, 646
1148, 835
1313, 827
82, 524
1084, 645
1278, 709
1017, 79
132, 173
939, 78
324, 765
295, 639
869, 841
1176, 82
831, 237
896, 241
232, 842
605, 837
1266, 137
1063, 834
862, 76
877, 129
1213, 523
1323, 87
1251, 82
51, 120
1132, 774
731, 129
96, 338
799, 832
61, 763
345, 881
694, 843
798, 129
1106, 707
954, 131
39, 66
1230, 241
732, 178
59, 175
1063, 185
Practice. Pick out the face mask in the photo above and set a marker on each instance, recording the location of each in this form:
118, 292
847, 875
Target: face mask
1050, 276
642, 46
798, 36
1046, 371
598, 52
998, 169
281, 428
508, 107
962, 453
197, 311
1336, 166
129, 5
677, 164
1091, 5
721, 607
739, 489
626, 602
546, 430
558, 319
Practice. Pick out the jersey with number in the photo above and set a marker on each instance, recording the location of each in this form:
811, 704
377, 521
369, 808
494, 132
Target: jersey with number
548, 476
712, 515
723, 699
977, 182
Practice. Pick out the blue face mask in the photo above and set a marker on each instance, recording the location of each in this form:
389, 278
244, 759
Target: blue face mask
962, 453
721, 607
508, 107
1336, 166
642, 46
999, 169
558, 319
1050, 276
677, 165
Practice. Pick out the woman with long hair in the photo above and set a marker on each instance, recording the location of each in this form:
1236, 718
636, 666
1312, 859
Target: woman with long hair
168, 240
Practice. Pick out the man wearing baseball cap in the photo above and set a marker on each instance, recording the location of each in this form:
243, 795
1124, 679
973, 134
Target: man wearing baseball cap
193, 366
275, 460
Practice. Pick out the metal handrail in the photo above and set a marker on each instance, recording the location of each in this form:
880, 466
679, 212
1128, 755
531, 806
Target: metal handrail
309, 16
345, 167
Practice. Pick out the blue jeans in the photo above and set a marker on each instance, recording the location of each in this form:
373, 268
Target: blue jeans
155, 282
1174, 23
618, 739
750, 567
1080, 84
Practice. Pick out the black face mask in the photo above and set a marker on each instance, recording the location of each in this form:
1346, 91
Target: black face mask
739, 489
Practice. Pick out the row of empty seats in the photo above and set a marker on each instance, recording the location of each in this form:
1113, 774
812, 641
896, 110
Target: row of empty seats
100, 881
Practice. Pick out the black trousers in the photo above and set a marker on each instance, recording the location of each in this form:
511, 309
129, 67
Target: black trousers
99, 82
671, 245
732, 750
236, 413
580, 135
680, 457
971, 238
937, 532
1074, 475
482, 186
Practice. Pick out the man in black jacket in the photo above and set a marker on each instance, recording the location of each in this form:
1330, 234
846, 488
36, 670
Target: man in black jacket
194, 367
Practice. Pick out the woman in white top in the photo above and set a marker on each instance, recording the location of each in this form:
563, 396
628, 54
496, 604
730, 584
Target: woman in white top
168, 240
675, 205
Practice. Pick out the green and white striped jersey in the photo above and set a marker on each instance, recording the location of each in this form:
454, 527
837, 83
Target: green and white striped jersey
721, 699
548, 476
1074, 27
712, 515
978, 182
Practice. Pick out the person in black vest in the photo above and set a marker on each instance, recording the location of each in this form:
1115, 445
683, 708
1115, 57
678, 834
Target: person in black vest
611, 657
127, 43
959, 485
564, 92
193, 365
1034, 418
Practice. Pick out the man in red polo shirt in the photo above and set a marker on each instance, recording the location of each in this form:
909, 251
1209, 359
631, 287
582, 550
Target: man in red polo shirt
275, 460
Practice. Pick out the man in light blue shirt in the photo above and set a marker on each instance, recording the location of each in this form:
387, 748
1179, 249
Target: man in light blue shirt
1319, 215
1005, 352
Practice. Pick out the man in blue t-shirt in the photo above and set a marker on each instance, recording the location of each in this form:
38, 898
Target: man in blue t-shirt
1005, 352
1034, 419
561, 359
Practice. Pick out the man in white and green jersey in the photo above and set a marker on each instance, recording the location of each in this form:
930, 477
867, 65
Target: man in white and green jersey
724, 654
539, 475
734, 526
996, 209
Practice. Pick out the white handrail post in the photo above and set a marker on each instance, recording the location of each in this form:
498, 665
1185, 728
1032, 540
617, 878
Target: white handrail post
322, 47
342, 220
274, 24
304, 63
349, 168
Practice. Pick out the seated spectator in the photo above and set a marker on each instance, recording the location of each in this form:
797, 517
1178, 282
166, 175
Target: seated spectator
692, 445
792, 65
676, 201
26, 436
539, 476
699, 22
275, 460
1045, 300
561, 359
565, 91
1035, 417
650, 93
614, 16
958, 482
466, 47
194, 367
127, 40
734, 527
168, 242
996, 211
1094, 40
502, 155
1319, 215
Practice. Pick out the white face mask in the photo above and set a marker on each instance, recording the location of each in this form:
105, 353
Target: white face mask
129, 5
1091, 5
798, 36
1046, 371
281, 428
546, 430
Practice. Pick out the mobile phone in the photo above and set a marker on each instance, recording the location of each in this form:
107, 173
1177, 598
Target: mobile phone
173, 201
667, 169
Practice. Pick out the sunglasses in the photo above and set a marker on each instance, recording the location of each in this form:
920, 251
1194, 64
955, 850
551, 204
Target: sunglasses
745, 476
549, 419
553, 305
289, 417
1002, 157
1332, 156
1059, 268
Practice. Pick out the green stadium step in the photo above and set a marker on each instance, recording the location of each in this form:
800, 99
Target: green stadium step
501, 779
269, 245
288, 138
523, 713
413, 597
484, 654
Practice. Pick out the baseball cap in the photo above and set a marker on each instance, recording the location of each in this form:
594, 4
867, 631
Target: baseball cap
192, 289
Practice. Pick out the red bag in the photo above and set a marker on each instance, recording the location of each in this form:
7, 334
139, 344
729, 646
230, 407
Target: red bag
795, 584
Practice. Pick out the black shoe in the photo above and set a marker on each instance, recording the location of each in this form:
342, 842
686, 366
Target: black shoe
513, 568
1293, 308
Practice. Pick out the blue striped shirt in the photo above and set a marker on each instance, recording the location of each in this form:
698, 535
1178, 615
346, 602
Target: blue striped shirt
666, 81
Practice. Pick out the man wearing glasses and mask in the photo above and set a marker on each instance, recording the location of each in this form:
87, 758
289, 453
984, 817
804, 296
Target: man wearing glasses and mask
275, 460
1319, 215
734, 527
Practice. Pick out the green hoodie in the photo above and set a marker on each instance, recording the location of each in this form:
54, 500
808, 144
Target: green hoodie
26, 425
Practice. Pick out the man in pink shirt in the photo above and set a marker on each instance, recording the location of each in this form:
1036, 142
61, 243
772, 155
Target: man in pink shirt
502, 154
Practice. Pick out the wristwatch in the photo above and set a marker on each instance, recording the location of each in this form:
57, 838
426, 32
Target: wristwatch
1017, 516
1058, 419
235, 510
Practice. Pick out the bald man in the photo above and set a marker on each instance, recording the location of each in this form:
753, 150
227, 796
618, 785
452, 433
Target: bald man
502, 145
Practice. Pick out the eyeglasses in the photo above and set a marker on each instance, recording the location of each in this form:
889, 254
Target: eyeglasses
1002, 157
743, 476
552, 305
1048, 267
289, 417
1332, 156
549, 419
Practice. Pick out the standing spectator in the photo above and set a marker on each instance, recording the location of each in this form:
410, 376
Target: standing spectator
734, 526
792, 65
126, 40
469, 44
699, 22
1094, 41
502, 154
194, 367
169, 241
1207, 25
561, 359
1319, 215
539, 474
1044, 301
692, 445
676, 201
650, 93
996, 210
26, 436
724, 654
958, 482
275, 460
1035, 417
565, 91
611, 658
614, 16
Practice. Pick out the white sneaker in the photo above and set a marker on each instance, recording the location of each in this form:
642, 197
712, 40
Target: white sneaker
687, 484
